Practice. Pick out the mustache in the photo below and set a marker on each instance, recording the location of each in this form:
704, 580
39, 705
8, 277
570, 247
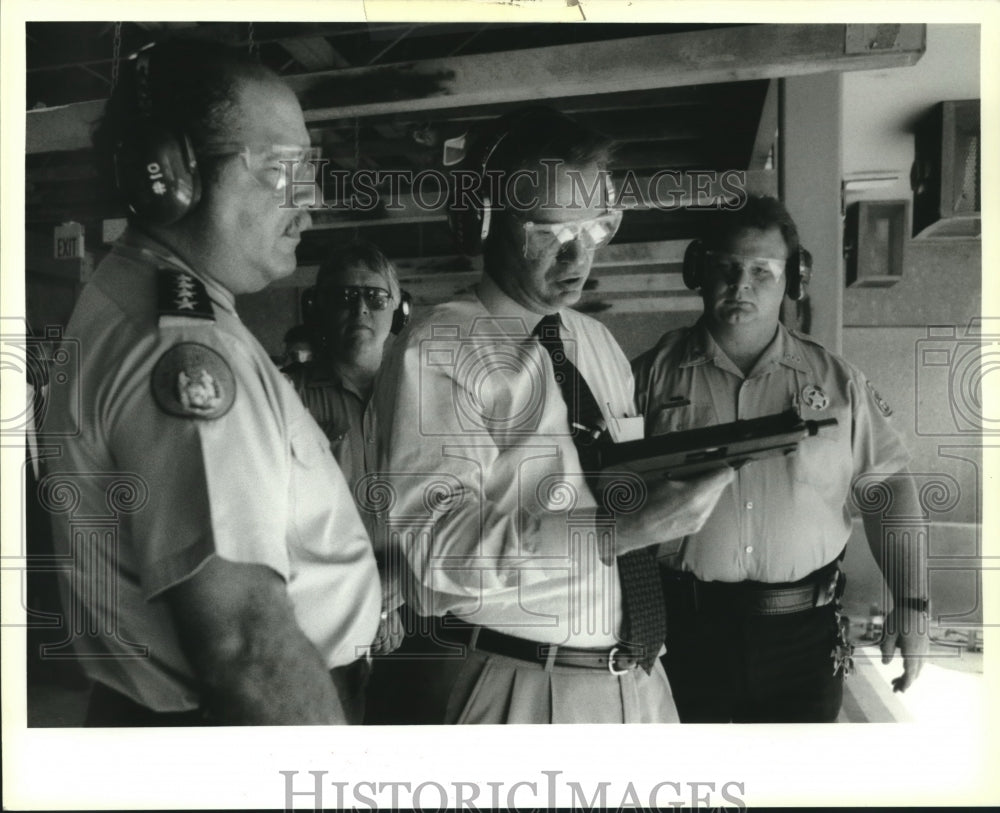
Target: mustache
300, 221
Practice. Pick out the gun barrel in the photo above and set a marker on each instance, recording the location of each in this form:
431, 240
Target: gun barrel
815, 426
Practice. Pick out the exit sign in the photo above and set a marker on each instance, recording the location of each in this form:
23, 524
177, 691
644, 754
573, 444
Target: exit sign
69, 241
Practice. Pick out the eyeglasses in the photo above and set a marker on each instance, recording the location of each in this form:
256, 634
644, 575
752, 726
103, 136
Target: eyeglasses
541, 239
376, 299
762, 270
273, 166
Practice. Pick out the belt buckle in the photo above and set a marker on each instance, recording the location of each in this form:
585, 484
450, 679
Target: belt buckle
614, 670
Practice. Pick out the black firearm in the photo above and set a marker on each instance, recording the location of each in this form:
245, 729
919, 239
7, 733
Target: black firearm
681, 454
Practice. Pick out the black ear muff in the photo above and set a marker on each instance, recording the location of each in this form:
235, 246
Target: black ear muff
155, 166
466, 223
470, 201
805, 271
794, 273
470, 211
401, 316
694, 260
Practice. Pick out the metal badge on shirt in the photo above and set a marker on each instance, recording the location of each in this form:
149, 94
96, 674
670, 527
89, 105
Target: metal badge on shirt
814, 397
192, 380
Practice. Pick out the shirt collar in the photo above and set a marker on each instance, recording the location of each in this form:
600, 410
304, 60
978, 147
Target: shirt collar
783, 349
701, 347
788, 351
139, 245
511, 318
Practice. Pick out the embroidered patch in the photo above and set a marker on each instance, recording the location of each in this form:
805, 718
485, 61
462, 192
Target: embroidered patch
814, 397
181, 294
193, 381
880, 402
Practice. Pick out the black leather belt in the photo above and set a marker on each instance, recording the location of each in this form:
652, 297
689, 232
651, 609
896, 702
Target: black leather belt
618, 660
818, 589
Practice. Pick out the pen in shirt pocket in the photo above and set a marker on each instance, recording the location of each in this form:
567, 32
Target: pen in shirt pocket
674, 402
627, 427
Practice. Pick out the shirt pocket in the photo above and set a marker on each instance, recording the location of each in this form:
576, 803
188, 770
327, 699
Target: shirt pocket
666, 418
825, 461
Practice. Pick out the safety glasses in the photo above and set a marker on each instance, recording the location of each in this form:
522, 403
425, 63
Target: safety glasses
730, 267
347, 296
273, 166
541, 239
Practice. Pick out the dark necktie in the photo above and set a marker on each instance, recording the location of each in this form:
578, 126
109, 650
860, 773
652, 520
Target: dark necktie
642, 592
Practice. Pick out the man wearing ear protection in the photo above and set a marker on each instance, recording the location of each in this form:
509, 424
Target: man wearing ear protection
350, 312
230, 580
490, 411
754, 632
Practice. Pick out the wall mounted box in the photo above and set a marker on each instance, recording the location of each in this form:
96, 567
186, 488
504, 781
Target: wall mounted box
946, 172
875, 234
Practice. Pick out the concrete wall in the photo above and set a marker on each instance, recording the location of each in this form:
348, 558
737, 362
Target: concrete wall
910, 340
888, 331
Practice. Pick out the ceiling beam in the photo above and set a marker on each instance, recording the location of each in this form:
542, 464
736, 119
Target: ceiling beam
65, 127
730, 54
461, 118
736, 53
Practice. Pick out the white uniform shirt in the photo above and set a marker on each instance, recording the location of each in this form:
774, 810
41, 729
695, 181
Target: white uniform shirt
256, 484
782, 517
349, 422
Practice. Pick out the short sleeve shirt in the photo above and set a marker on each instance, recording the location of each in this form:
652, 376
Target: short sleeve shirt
252, 482
349, 424
782, 517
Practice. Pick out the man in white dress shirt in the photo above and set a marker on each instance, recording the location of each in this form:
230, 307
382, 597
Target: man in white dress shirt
491, 500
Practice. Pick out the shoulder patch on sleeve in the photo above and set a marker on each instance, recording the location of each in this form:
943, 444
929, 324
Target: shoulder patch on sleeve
181, 294
191, 380
880, 402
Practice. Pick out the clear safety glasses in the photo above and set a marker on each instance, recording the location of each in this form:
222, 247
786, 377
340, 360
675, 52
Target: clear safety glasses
347, 296
729, 267
542, 239
273, 166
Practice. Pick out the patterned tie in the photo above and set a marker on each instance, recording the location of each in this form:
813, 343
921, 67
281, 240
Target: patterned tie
642, 592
